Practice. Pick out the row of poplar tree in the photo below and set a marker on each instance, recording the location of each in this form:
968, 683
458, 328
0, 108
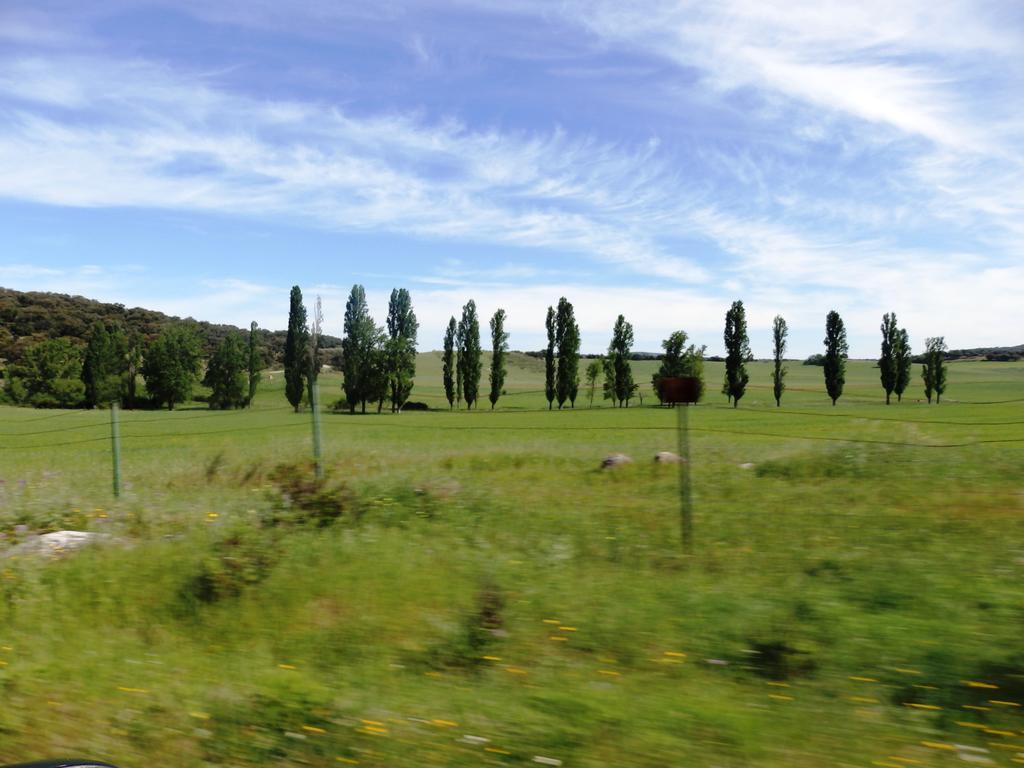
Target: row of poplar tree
379, 362
895, 362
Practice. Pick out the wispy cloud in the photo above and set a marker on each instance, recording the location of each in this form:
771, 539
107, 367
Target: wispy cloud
87, 132
802, 156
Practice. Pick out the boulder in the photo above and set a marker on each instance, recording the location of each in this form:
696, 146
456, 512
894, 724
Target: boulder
56, 543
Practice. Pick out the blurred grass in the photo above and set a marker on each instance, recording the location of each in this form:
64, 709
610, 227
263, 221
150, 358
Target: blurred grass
851, 593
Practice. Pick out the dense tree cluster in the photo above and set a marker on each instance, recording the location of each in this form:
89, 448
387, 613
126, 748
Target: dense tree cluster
27, 318
378, 363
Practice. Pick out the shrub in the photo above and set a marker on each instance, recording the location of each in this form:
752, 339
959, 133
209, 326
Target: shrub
239, 558
303, 498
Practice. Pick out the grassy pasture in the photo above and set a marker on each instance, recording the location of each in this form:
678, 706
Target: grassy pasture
489, 597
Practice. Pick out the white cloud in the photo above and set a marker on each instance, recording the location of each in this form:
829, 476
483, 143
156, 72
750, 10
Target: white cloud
143, 136
882, 170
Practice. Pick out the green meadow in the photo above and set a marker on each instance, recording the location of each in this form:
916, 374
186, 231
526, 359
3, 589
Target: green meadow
469, 588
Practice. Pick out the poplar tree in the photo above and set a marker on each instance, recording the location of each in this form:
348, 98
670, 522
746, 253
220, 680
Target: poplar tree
460, 334
572, 341
314, 356
449, 362
549, 357
567, 338
888, 364
499, 348
593, 373
295, 350
933, 372
358, 347
401, 347
836, 351
780, 331
904, 362
470, 354
737, 352
608, 387
253, 362
618, 359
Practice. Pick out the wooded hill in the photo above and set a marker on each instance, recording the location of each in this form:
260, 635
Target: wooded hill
26, 318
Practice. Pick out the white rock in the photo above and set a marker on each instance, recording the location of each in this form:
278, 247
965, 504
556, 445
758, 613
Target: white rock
615, 460
667, 457
57, 543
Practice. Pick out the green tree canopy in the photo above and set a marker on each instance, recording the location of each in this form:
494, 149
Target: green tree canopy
679, 360
836, 351
360, 363
888, 362
227, 374
621, 386
296, 350
933, 372
105, 365
594, 369
401, 347
567, 337
737, 352
49, 376
470, 354
904, 363
550, 374
779, 333
171, 365
253, 362
499, 349
449, 361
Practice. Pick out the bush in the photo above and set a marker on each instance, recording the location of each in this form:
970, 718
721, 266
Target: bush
414, 406
241, 557
815, 359
303, 499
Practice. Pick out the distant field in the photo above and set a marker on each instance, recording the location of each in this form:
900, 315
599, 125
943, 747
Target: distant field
489, 597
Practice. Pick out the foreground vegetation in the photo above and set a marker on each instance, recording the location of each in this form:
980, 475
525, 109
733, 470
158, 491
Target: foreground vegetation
469, 589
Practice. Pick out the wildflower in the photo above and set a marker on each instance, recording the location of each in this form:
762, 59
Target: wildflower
977, 684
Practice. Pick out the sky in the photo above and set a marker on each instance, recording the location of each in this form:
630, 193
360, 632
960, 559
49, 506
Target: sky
658, 159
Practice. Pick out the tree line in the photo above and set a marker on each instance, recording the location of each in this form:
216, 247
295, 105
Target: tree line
895, 362
30, 317
378, 363
57, 373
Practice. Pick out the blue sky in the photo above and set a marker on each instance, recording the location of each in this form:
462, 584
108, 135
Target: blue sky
657, 159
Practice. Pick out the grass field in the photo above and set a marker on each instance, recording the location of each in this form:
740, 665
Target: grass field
488, 597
